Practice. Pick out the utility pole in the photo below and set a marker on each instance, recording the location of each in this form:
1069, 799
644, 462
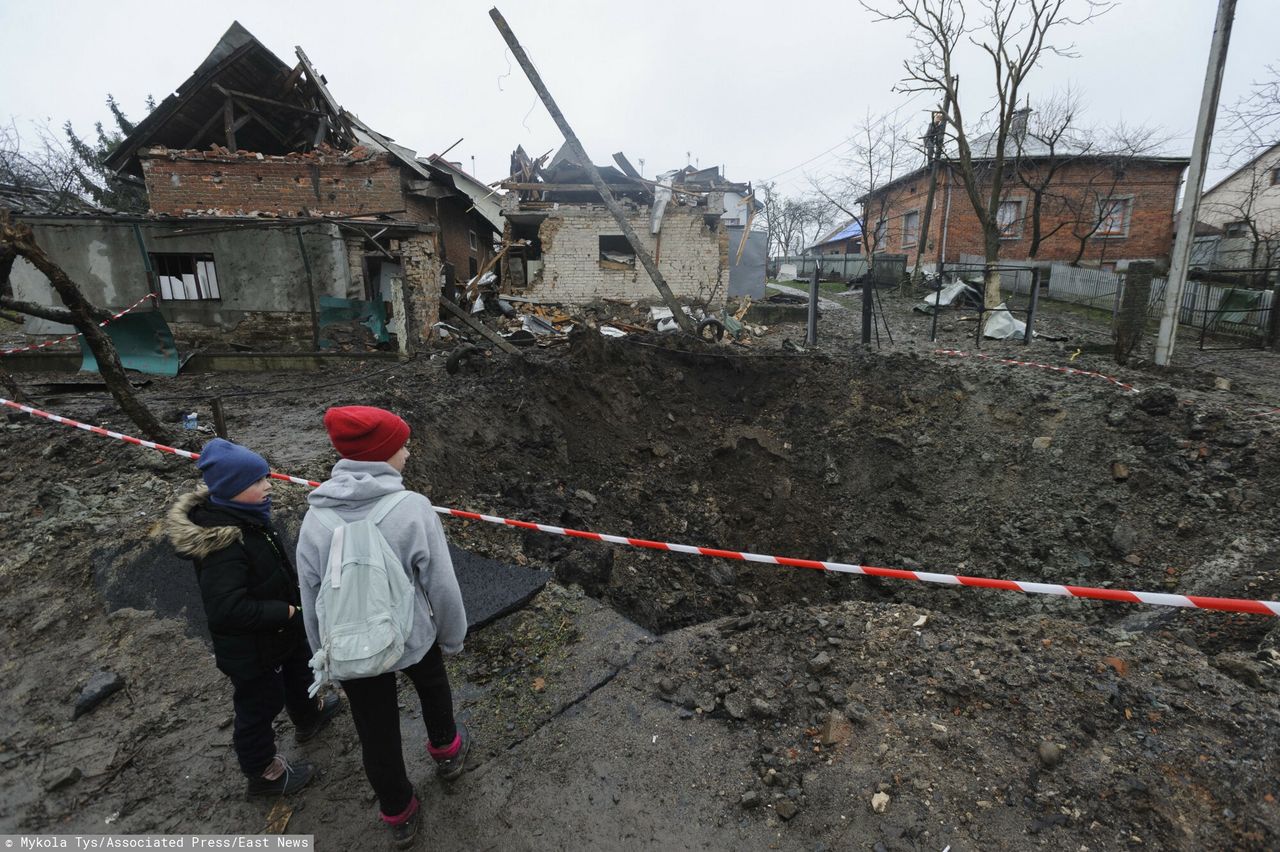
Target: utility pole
1195, 181
934, 141
619, 215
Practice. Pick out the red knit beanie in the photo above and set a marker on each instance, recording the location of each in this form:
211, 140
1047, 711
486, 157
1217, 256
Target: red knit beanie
365, 433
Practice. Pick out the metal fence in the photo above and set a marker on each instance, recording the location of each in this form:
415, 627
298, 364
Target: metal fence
834, 266
889, 269
1218, 309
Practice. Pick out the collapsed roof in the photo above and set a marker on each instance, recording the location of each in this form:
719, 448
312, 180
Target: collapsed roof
244, 97
565, 179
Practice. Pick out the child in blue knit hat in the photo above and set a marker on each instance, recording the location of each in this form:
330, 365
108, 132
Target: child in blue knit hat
251, 601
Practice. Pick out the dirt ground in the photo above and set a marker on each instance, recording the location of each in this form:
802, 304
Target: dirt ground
658, 700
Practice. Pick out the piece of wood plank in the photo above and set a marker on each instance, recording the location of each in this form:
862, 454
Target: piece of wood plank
229, 124
479, 327
245, 96
625, 164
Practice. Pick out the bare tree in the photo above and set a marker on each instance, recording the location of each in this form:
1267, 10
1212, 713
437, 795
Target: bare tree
1014, 35
18, 241
1093, 206
791, 223
1253, 128
1246, 203
1053, 141
1253, 122
45, 169
880, 150
1070, 171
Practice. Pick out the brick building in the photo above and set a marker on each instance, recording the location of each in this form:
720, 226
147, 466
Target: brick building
250, 138
1093, 210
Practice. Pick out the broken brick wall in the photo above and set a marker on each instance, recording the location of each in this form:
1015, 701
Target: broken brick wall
689, 252
183, 182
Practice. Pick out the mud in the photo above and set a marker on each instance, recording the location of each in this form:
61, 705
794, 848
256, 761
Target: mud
652, 699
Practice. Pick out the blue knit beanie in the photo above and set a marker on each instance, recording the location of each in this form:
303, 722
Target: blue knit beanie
229, 468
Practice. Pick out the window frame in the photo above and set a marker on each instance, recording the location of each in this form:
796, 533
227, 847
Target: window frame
473, 240
1013, 231
1243, 227
615, 244
169, 276
1123, 232
915, 238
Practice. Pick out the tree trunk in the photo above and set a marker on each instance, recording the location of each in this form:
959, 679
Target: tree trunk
85, 317
1131, 320
990, 274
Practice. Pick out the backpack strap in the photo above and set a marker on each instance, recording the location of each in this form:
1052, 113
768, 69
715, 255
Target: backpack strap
328, 517
384, 506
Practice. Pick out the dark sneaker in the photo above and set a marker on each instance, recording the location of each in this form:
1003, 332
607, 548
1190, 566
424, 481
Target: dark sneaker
449, 768
294, 777
329, 708
404, 832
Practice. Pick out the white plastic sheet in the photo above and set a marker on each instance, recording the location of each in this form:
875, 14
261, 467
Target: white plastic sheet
1002, 325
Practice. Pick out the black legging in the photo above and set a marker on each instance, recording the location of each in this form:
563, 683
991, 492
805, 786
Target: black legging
376, 714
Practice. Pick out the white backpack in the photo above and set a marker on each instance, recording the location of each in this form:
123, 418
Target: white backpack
365, 603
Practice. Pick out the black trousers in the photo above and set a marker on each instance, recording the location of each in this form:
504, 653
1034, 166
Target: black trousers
258, 701
376, 713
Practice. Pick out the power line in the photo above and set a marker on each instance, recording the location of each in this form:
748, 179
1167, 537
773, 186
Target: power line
846, 142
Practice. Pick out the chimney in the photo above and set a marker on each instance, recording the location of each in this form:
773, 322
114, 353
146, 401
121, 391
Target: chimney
1018, 126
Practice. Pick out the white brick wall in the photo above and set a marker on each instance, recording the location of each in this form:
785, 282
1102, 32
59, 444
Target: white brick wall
688, 253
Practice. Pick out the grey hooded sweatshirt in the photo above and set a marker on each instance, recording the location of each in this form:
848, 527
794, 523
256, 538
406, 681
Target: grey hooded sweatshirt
415, 533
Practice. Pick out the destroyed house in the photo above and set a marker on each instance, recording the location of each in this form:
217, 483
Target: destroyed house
273, 210
562, 244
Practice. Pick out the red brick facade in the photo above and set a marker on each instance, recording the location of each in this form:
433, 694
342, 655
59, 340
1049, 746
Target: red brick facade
1143, 231
189, 183
193, 183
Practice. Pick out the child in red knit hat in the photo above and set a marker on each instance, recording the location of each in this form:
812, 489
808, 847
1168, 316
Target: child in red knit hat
373, 445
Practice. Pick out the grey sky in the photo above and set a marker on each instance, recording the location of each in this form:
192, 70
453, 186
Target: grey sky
759, 87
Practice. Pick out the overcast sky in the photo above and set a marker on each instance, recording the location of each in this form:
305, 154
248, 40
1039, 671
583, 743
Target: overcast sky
759, 87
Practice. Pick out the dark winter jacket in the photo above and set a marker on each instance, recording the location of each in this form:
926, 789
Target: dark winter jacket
246, 580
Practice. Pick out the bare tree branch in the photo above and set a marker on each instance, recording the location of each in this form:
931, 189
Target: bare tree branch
1014, 35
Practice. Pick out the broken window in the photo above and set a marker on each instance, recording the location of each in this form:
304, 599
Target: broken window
910, 228
616, 252
1009, 219
1113, 217
472, 240
186, 277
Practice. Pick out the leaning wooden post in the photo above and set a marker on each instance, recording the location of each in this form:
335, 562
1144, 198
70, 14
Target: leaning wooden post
686, 324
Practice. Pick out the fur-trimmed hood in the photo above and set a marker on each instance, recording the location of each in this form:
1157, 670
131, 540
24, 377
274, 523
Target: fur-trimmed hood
189, 538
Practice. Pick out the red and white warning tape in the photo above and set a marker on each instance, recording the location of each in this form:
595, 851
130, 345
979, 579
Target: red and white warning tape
78, 333
1255, 607
1071, 371
129, 439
